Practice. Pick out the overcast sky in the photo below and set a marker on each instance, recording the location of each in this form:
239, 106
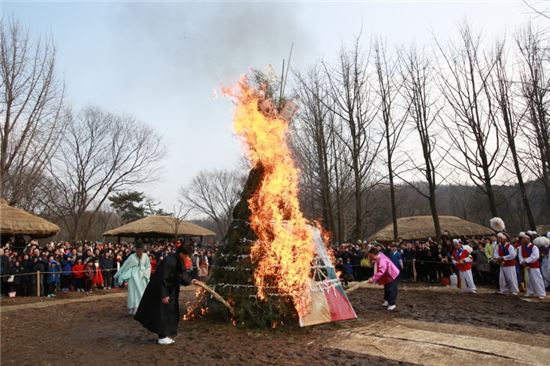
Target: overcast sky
164, 62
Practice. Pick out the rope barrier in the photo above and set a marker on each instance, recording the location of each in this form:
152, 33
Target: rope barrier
56, 272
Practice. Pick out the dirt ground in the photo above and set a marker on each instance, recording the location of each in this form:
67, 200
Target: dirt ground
431, 326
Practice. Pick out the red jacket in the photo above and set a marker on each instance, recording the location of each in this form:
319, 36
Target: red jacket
462, 254
98, 277
78, 271
153, 265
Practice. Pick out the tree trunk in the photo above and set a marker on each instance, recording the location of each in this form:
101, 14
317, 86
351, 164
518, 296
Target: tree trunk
358, 206
519, 177
491, 198
435, 215
392, 188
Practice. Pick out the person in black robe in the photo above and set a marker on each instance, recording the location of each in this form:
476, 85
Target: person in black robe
158, 310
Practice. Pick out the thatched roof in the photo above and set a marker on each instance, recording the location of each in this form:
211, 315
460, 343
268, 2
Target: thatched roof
159, 226
14, 221
543, 229
422, 227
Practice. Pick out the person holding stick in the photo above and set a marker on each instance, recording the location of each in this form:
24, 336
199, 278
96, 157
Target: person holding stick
387, 274
159, 310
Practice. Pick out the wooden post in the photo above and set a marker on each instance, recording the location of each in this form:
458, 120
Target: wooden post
38, 283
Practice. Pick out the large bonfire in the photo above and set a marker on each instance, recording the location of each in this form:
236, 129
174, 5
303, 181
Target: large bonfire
283, 252
264, 266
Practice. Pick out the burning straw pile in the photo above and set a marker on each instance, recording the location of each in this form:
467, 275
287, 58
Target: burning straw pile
263, 270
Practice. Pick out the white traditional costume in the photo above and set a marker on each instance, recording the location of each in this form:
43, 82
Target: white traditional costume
506, 254
463, 262
529, 257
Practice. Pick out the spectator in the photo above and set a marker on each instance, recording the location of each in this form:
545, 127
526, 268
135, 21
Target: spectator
4, 272
14, 281
106, 263
89, 274
202, 265
66, 272
348, 271
395, 257
79, 275
53, 276
27, 277
153, 262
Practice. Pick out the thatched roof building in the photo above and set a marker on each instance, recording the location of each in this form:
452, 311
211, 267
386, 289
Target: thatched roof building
422, 227
543, 229
14, 221
159, 226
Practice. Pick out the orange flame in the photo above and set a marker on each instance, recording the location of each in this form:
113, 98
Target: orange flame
284, 250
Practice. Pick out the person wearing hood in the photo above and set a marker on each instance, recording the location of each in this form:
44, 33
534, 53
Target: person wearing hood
505, 255
67, 272
53, 277
137, 271
158, 310
463, 262
529, 258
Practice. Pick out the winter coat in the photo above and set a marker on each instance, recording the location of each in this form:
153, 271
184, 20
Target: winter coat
152, 313
78, 271
16, 271
53, 273
67, 268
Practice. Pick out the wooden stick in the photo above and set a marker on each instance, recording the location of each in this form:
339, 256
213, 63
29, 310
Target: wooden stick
355, 286
38, 283
215, 294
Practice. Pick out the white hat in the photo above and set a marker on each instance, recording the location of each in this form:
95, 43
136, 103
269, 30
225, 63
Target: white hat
497, 224
502, 235
532, 234
522, 234
457, 241
541, 241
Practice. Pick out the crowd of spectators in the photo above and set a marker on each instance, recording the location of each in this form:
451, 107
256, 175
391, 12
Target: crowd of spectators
425, 261
84, 266
81, 266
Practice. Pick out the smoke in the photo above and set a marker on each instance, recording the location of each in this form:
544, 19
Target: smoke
214, 41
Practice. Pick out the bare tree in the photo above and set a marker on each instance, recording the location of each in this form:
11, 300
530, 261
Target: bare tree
388, 91
502, 86
471, 126
312, 131
101, 153
535, 91
214, 194
538, 8
31, 99
417, 75
177, 217
353, 107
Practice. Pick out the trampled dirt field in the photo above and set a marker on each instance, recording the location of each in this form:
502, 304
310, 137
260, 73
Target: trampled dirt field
433, 326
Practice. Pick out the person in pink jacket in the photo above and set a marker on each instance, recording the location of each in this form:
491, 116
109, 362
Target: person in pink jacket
386, 274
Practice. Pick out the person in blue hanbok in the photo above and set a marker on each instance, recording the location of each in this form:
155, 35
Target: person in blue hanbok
136, 270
